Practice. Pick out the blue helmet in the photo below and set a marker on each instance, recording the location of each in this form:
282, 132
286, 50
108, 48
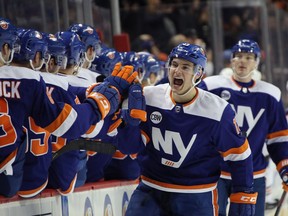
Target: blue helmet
190, 52
131, 58
57, 50
247, 46
8, 35
149, 64
106, 61
75, 48
32, 41
88, 35
152, 66
21, 31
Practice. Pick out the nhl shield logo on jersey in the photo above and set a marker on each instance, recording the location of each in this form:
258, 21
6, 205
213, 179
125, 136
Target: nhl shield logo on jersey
3, 24
156, 117
225, 95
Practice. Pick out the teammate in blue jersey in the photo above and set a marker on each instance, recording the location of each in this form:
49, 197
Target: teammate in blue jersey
23, 94
71, 161
260, 113
187, 134
40, 142
38, 154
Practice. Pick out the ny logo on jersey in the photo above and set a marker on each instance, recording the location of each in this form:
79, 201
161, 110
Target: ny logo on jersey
245, 112
166, 143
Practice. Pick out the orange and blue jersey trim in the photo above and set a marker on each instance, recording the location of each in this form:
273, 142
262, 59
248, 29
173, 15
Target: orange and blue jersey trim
70, 189
237, 154
279, 136
163, 186
256, 174
63, 122
33, 192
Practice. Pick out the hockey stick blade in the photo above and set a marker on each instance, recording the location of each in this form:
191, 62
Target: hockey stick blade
88, 145
280, 203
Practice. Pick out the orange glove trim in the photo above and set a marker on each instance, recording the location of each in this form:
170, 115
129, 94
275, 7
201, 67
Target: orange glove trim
115, 125
244, 198
90, 88
116, 69
132, 77
139, 114
102, 102
125, 73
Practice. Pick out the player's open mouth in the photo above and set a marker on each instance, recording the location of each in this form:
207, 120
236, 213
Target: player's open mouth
242, 67
177, 82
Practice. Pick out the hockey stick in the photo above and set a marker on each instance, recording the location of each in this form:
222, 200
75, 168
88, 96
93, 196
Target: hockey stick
280, 203
89, 145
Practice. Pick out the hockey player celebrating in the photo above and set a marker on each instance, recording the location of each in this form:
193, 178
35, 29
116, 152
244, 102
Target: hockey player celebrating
187, 134
260, 113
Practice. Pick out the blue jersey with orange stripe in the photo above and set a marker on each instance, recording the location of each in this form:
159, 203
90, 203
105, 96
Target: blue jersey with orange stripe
185, 143
260, 113
38, 157
41, 144
23, 94
72, 161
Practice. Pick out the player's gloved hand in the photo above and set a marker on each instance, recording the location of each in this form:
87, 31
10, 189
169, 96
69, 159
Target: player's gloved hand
103, 98
284, 176
243, 203
121, 78
136, 111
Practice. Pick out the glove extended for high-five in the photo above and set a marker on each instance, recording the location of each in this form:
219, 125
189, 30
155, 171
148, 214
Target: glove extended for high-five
121, 78
283, 171
136, 106
103, 98
242, 203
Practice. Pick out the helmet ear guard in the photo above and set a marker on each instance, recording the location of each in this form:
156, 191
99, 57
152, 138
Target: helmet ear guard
74, 47
198, 74
198, 70
31, 42
8, 35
